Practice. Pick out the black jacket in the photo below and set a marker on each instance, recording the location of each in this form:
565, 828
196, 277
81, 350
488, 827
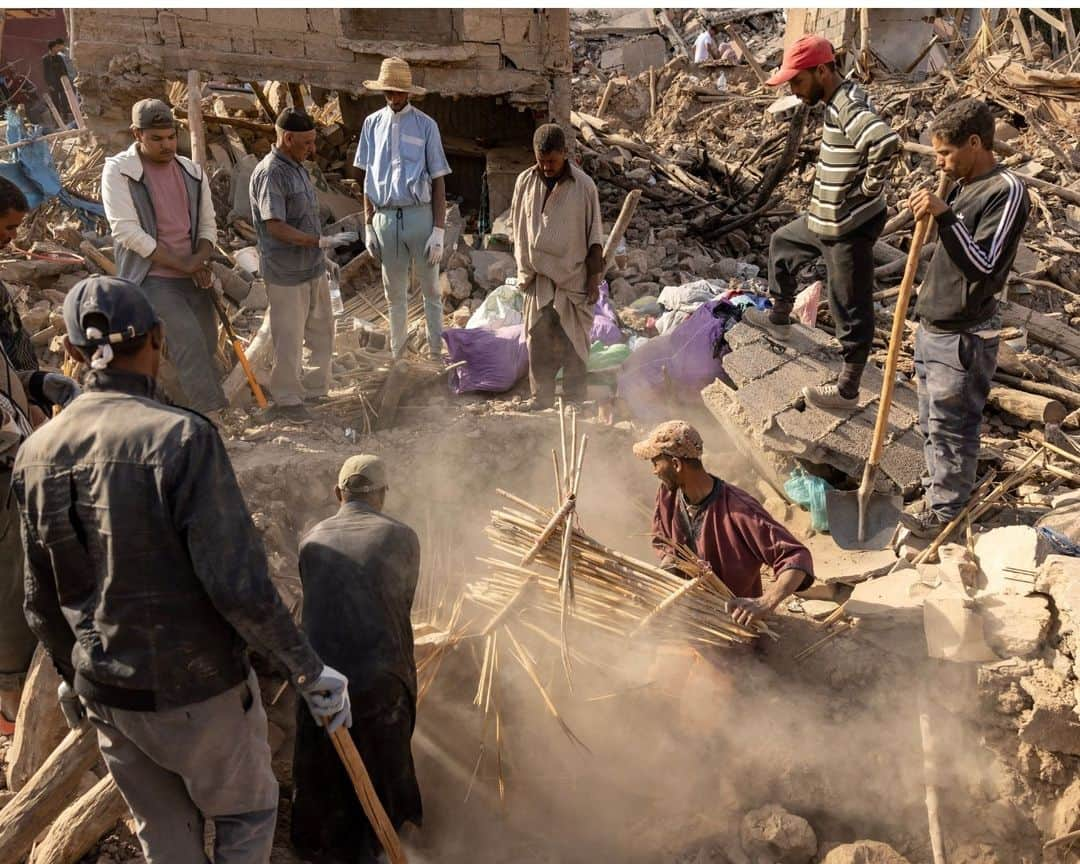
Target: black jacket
978, 237
145, 577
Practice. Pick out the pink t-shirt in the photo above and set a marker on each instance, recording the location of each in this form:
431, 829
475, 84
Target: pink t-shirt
173, 212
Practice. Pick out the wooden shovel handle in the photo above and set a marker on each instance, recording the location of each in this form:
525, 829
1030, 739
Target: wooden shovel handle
238, 350
896, 338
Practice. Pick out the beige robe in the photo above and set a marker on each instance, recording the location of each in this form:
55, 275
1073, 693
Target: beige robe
550, 245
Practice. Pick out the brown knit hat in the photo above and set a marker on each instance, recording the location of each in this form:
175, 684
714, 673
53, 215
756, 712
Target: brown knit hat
674, 438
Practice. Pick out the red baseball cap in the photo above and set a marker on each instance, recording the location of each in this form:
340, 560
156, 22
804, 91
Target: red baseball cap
806, 52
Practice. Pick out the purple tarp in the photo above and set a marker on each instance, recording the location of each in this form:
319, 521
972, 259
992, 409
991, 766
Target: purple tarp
677, 364
494, 359
605, 326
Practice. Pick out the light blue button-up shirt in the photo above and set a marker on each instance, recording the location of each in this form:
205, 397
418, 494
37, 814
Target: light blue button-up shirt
401, 153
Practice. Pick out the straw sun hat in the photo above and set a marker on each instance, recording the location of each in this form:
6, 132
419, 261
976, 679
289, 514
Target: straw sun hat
395, 74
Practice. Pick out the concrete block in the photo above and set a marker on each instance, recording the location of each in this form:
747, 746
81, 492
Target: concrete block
517, 25
243, 39
280, 44
902, 458
761, 404
482, 25
126, 30
283, 18
808, 426
234, 16
205, 36
1014, 546
524, 55
954, 630
753, 362
169, 25
847, 566
1015, 626
152, 32
637, 55
320, 47
742, 335
893, 600
325, 21
190, 13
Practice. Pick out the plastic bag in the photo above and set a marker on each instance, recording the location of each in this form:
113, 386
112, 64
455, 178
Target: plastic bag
605, 325
501, 308
603, 356
808, 491
494, 359
806, 304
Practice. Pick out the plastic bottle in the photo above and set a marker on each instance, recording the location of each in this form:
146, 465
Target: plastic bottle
337, 305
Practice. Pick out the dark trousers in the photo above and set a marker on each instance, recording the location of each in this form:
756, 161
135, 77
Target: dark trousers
954, 372
550, 350
850, 264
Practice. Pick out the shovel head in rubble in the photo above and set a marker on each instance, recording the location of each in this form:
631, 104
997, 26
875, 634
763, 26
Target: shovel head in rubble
881, 515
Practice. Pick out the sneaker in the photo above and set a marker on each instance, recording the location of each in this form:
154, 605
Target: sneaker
536, 404
762, 319
925, 526
829, 398
296, 413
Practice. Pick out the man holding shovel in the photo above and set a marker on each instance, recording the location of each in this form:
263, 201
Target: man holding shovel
979, 228
844, 220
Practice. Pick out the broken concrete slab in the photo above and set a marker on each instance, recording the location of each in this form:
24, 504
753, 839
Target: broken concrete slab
893, 600
771, 833
847, 566
1002, 552
635, 56
1015, 626
954, 630
864, 852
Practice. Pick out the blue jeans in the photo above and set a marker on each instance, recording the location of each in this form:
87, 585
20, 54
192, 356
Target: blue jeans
954, 372
403, 233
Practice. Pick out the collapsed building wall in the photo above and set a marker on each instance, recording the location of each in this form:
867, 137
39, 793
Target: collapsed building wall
491, 75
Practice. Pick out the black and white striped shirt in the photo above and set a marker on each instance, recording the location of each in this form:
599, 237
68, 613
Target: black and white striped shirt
857, 153
979, 234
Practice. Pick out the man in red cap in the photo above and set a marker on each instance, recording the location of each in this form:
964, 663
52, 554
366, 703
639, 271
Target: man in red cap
845, 217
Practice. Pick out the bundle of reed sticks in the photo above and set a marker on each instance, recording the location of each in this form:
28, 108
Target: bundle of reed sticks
612, 592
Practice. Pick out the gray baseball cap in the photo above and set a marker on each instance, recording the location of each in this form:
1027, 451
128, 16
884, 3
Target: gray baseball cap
152, 114
127, 312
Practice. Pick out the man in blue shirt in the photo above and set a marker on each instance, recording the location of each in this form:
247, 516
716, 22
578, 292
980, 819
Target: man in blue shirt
401, 154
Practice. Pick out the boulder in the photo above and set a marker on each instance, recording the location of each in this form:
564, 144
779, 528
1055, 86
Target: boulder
772, 834
455, 283
864, 852
1015, 626
491, 268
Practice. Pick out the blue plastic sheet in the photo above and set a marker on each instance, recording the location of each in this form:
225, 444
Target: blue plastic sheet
808, 491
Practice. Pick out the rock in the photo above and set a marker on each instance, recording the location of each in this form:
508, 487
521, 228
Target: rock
1065, 816
1015, 546
623, 293
819, 608
1052, 723
954, 630
455, 283
461, 316
895, 599
1059, 576
864, 852
772, 834
1015, 626
491, 268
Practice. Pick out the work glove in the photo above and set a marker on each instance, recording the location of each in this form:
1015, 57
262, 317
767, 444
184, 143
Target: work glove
327, 698
342, 238
70, 705
371, 243
434, 247
59, 389
333, 270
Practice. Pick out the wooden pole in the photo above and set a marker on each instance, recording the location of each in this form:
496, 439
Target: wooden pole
57, 119
652, 91
195, 118
297, 94
1070, 30
39, 726
747, 54
626, 214
1027, 406
260, 94
930, 779
52, 136
81, 825
864, 40
73, 102
1021, 34
606, 97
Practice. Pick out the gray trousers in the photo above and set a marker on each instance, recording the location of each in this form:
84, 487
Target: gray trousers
300, 315
17, 643
181, 767
403, 233
954, 372
191, 337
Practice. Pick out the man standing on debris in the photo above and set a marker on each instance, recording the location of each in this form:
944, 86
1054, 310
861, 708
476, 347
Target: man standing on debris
722, 524
401, 155
845, 218
956, 344
53, 69
707, 48
558, 244
146, 582
161, 213
359, 570
26, 397
285, 210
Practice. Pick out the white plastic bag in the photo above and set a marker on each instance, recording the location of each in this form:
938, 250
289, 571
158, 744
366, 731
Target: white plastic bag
501, 308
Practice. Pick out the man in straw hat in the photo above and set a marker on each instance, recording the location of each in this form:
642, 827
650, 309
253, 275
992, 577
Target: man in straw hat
285, 210
146, 582
722, 524
401, 154
558, 244
359, 570
845, 217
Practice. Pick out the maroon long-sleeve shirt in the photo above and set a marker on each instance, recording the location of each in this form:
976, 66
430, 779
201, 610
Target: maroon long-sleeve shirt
736, 537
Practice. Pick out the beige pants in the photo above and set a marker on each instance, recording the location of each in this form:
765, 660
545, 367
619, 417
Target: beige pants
180, 767
300, 317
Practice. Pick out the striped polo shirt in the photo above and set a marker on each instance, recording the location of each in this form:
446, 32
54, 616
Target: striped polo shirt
857, 153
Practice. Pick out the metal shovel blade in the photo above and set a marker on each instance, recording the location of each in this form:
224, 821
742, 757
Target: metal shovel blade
881, 518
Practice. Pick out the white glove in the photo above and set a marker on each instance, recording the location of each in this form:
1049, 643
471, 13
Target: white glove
327, 697
72, 709
371, 243
434, 246
342, 238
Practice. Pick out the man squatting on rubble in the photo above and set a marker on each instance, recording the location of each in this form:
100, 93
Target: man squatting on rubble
26, 399
558, 237
956, 344
724, 525
146, 583
845, 217
405, 169
285, 212
359, 570
161, 214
